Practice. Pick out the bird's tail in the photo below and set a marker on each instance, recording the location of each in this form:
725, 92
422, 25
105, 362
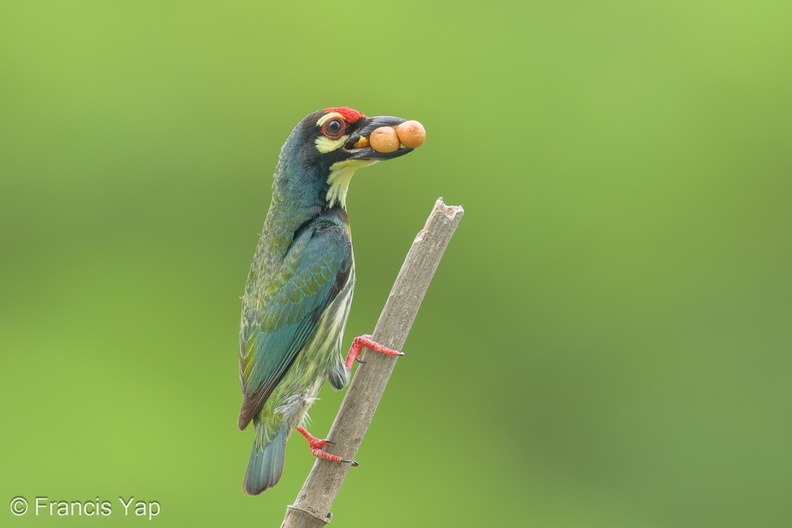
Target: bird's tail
266, 464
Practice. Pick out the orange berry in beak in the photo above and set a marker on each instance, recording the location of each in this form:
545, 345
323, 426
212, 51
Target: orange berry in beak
384, 139
411, 134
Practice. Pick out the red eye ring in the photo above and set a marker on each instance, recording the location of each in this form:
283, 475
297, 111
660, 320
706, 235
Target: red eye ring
334, 128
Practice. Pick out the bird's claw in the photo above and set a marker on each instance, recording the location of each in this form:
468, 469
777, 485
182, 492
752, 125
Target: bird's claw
316, 445
365, 341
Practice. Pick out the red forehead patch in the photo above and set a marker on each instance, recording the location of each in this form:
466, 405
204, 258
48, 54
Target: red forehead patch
348, 114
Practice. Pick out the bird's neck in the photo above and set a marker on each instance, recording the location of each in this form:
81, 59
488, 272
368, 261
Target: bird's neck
299, 194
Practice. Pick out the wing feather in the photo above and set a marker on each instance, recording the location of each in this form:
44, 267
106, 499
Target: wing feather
280, 320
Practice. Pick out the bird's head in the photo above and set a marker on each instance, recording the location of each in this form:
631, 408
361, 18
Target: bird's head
328, 146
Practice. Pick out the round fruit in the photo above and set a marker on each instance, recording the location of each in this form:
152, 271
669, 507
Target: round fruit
411, 134
384, 139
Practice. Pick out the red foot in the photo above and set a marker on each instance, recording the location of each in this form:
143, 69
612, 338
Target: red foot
364, 341
316, 445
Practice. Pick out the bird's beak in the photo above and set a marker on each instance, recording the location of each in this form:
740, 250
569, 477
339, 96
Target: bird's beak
358, 147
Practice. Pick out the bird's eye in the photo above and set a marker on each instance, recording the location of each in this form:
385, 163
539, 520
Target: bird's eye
333, 129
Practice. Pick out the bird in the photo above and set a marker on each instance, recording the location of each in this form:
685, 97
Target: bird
300, 285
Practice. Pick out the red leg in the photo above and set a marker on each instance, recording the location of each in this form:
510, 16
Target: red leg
364, 341
316, 445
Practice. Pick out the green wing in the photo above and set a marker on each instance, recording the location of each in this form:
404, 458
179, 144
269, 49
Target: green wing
280, 319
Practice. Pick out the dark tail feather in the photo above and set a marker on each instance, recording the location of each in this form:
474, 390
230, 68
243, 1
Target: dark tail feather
266, 465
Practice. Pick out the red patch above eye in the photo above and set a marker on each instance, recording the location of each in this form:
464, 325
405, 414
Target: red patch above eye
348, 114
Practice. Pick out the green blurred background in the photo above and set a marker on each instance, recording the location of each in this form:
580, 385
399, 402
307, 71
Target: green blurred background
606, 343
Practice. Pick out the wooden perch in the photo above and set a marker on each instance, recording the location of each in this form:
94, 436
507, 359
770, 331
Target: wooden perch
312, 507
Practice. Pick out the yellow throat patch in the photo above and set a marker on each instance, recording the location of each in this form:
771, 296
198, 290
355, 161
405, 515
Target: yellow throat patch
341, 174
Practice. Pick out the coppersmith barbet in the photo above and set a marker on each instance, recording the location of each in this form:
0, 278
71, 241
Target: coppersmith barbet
300, 285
